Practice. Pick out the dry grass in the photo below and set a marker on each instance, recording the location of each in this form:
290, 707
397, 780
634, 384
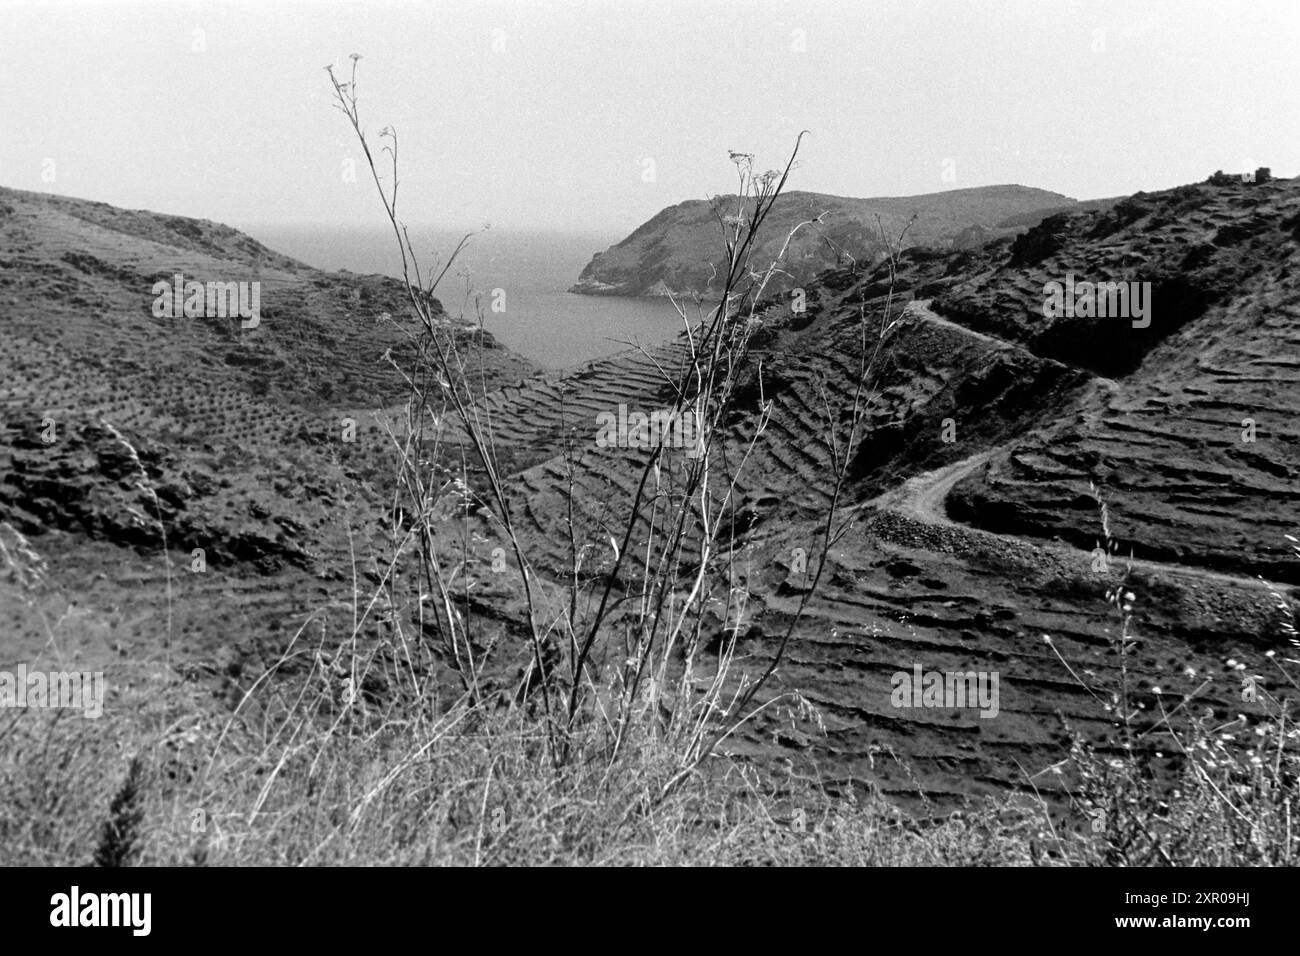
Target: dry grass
306, 771
298, 778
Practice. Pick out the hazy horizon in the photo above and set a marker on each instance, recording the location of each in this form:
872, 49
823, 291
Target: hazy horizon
575, 117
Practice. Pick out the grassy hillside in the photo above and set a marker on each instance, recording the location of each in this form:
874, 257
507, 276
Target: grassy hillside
118, 425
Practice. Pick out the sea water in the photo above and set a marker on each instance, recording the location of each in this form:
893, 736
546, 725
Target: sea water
520, 280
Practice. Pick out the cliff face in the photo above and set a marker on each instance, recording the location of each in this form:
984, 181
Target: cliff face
680, 248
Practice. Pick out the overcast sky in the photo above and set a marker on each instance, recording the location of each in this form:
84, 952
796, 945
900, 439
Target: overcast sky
553, 114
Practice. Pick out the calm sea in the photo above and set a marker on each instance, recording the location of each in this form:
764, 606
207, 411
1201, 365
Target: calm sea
541, 320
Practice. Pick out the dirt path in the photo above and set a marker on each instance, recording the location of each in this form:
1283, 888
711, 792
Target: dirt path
924, 497
920, 308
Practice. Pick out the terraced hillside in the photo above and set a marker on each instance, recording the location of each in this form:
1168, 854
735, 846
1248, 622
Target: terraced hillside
1198, 441
116, 424
973, 524
976, 522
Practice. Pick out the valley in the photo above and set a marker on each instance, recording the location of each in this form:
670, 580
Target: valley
971, 508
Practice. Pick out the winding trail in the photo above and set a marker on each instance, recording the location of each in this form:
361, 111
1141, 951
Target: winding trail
923, 498
920, 309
